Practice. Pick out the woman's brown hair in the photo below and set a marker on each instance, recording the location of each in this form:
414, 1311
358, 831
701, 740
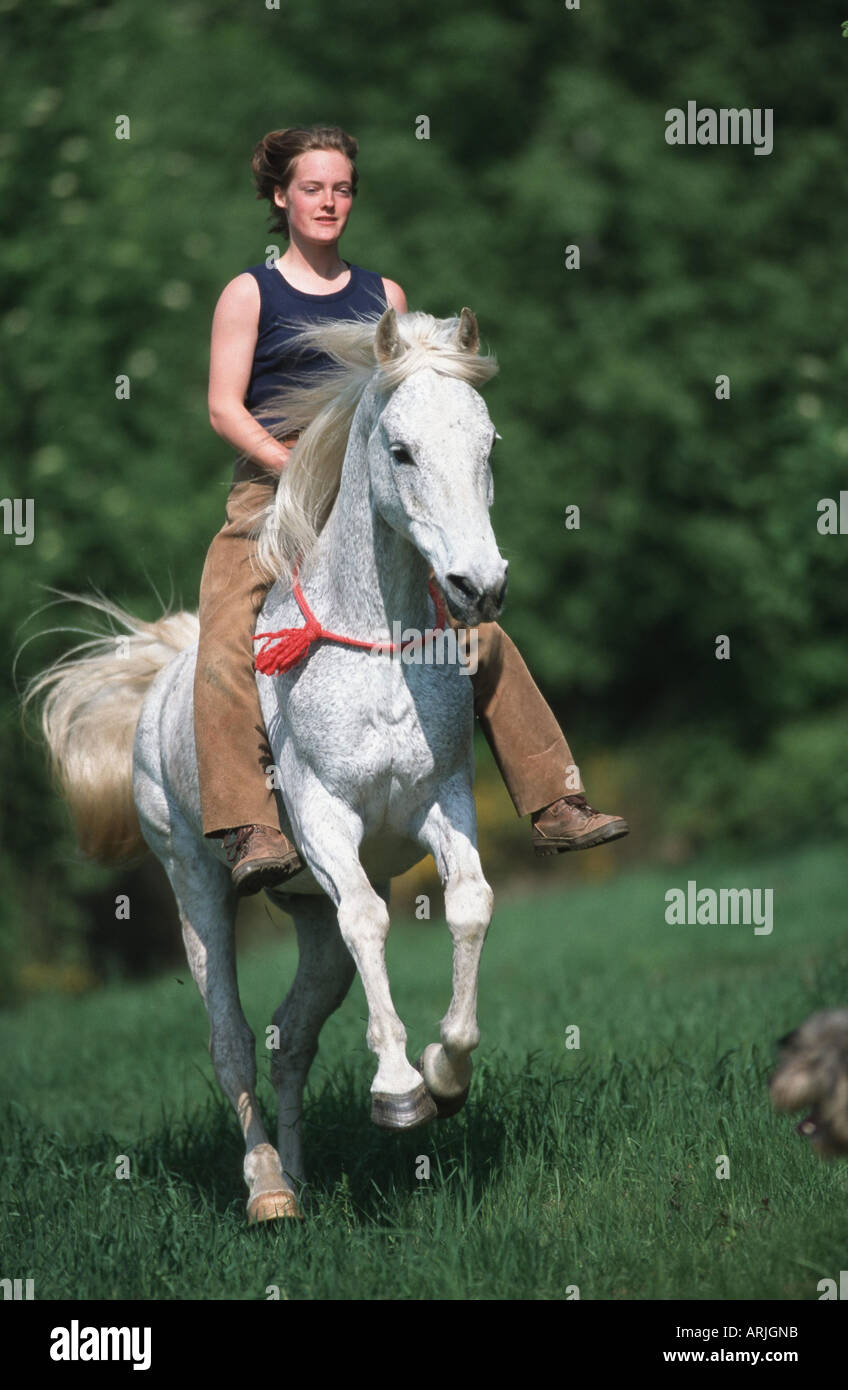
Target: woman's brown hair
275, 156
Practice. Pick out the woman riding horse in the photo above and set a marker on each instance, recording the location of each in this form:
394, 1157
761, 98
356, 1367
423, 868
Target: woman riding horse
310, 178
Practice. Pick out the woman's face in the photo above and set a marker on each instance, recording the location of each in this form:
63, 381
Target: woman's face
319, 197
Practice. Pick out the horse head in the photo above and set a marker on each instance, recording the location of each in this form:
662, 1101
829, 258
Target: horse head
429, 458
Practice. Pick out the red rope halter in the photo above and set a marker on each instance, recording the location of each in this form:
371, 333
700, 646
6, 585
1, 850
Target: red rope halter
284, 649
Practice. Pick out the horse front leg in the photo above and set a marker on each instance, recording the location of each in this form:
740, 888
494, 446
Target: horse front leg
449, 831
329, 834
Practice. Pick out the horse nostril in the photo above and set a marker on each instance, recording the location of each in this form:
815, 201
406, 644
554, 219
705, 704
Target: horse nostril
462, 584
502, 594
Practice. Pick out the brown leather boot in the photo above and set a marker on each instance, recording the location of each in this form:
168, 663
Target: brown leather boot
571, 823
260, 857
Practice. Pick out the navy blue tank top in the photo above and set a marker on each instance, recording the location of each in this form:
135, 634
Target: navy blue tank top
283, 310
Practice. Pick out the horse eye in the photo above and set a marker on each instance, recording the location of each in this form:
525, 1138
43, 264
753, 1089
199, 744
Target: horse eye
400, 454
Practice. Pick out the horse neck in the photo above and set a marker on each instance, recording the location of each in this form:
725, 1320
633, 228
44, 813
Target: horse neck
366, 575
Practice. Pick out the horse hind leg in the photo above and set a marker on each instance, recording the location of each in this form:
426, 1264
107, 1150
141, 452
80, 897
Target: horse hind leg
207, 908
324, 975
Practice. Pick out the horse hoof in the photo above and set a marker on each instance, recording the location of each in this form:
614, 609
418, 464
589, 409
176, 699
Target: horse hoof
271, 1206
449, 1105
417, 1107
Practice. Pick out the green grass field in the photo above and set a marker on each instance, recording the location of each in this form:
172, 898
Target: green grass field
594, 1168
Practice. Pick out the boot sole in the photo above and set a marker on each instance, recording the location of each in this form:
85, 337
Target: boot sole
615, 831
253, 878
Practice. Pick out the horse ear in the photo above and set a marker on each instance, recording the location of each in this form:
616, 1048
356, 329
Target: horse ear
387, 344
468, 334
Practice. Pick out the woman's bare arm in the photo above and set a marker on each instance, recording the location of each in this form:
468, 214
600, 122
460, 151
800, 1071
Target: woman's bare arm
395, 295
234, 330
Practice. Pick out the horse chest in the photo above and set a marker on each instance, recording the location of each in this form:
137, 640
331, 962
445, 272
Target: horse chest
373, 722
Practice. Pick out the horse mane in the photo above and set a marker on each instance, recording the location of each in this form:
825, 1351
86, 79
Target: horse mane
324, 412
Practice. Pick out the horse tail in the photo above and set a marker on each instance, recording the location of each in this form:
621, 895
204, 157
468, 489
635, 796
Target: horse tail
92, 698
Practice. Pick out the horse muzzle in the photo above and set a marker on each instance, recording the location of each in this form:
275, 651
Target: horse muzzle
471, 601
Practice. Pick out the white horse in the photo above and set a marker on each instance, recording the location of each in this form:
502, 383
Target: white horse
390, 480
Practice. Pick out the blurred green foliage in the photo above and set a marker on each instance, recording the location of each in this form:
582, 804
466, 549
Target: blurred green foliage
698, 515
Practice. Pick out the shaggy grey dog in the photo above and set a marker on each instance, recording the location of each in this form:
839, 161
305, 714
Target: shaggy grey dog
813, 1071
